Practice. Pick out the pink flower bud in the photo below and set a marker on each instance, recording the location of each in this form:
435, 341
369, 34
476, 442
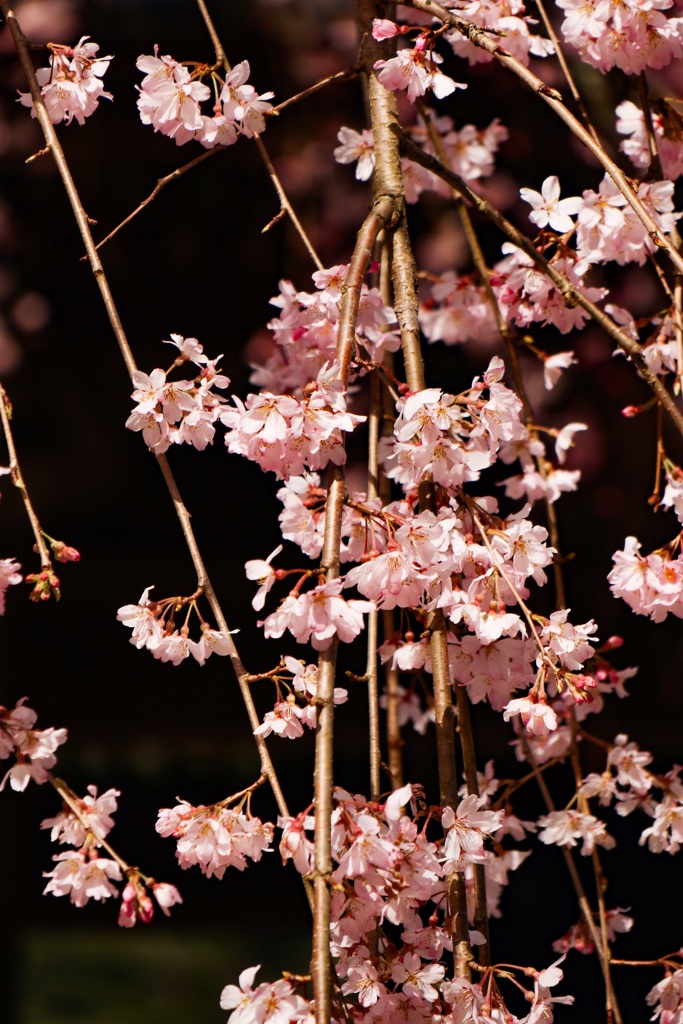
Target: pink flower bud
382, 28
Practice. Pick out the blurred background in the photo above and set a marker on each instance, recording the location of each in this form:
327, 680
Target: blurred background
196, 262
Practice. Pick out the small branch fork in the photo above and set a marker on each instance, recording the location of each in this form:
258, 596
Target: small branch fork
203, 581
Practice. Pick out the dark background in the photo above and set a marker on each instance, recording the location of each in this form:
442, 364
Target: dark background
196, 263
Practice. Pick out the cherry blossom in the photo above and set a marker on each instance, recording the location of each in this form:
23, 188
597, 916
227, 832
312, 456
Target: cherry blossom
72, 85
214, 837
10, 575
416, 71
82, 877
548, 210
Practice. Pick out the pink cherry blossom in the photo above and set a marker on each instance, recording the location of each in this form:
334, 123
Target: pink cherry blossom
548, 209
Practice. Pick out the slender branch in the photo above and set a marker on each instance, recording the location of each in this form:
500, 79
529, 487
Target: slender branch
81, 217
285, 204
553, 98
18, 481
347, 73
655, 169
371, 674
159, 187
584, 806
552, 34
571, 296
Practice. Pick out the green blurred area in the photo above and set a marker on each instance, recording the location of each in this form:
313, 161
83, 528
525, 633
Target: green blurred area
141, 977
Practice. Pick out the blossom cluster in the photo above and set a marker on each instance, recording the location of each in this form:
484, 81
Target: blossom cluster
154, 628
390, 882
71, 87
178, 411
214, 837
34, 749
286, 435
631, 37
305, 331
171, 97
298, 708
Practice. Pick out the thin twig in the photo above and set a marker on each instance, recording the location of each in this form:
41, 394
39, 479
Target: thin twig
18, 481
347, 73
584, 905
285, 204
374, 429
159, 187
655, 169
552, 34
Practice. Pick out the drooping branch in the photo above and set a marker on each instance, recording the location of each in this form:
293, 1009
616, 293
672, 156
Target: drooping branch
203, 581
18, 481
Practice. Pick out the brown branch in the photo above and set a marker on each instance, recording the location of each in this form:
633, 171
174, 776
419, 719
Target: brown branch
18, 481
159, 187
375, 221
285, 204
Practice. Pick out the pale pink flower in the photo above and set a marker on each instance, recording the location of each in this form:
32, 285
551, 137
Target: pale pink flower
548, 210
538, 717
262, 571
356, 146
82, 878
95, 818
9, 576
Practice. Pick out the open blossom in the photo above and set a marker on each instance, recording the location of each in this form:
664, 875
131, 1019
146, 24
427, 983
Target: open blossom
72, 85
356, 146
416, 71
466, 829
275, 1003
82, 877
318, 615
214, 837
548, 210
538, 717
